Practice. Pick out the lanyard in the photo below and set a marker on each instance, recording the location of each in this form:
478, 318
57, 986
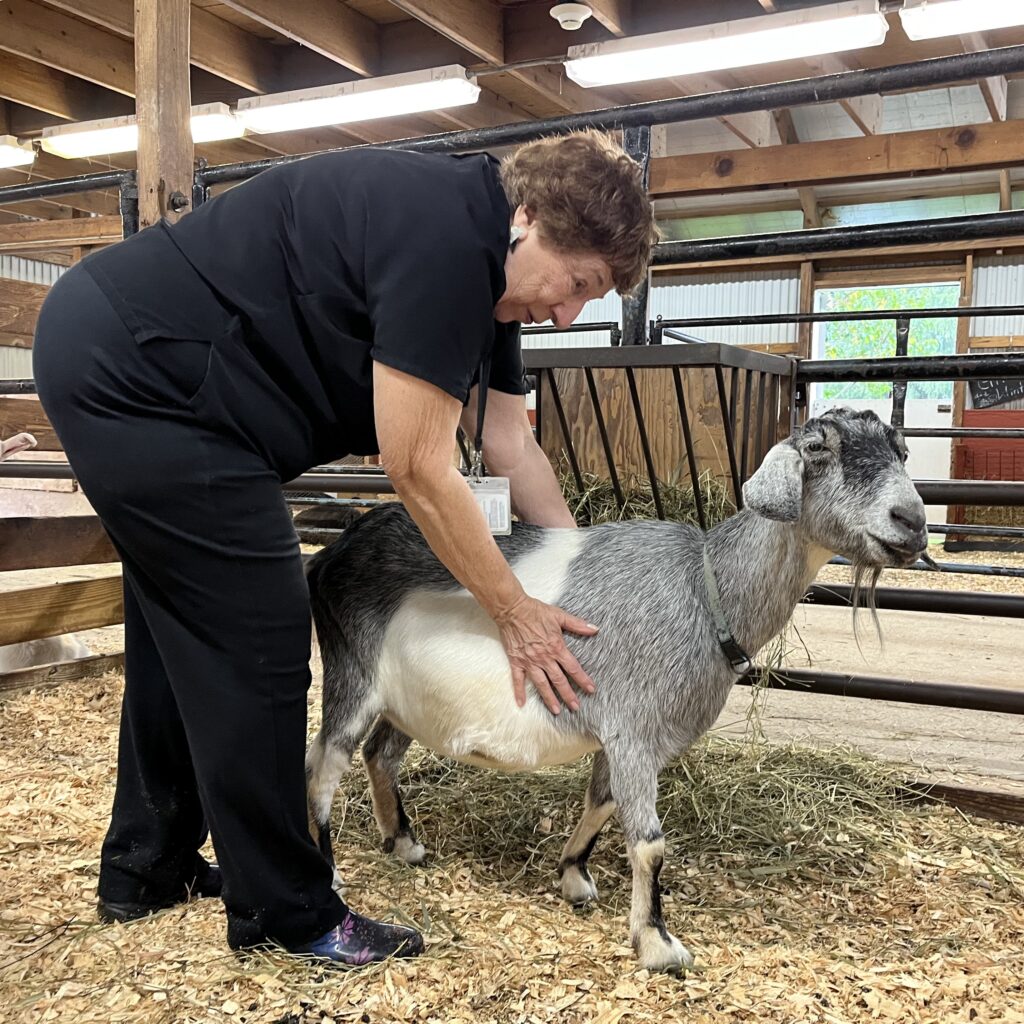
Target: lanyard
481, 404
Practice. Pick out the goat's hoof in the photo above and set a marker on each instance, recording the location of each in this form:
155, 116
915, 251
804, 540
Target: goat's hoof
577, 886
406, 848
657, 950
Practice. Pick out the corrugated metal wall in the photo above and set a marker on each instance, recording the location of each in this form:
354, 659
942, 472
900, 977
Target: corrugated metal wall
998, 281
727, 294
17, 362
29, 270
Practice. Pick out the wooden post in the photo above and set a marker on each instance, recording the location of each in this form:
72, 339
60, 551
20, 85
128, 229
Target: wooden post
805, 331
163, 108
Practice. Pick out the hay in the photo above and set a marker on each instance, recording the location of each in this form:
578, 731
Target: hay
807, 885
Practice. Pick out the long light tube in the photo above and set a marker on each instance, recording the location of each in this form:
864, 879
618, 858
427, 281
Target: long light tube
363, 100
850, 25
930, 19
14, 153
211, 122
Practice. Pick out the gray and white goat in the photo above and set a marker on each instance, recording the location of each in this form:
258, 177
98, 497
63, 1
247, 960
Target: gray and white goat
402, 642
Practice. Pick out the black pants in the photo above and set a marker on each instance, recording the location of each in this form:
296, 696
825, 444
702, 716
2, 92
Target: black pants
217, 625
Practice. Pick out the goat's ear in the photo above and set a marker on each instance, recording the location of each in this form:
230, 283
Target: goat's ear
776, 490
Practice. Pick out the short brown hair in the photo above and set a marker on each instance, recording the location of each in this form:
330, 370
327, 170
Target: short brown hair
587, 196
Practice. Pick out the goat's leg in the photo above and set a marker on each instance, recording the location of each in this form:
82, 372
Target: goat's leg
329, 757
577, 883
382, 753
634, 787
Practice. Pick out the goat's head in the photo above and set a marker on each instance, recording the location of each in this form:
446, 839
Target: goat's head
13, 445
842, 477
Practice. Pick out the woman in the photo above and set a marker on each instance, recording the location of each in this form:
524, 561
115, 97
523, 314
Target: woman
340, 304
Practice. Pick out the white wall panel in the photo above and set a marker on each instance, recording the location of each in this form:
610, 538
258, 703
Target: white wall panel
35, 271
998, 281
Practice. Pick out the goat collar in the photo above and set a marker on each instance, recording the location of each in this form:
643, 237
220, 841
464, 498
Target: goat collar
734, 654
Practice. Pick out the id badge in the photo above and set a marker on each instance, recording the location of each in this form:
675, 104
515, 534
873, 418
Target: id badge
493, 496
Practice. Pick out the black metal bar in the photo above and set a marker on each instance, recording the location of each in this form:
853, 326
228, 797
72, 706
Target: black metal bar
128, 203
962, 367
26, 386
860, 236
710, 354
36, 470
899, 387
691, 458
768, 319
460, 436
645, 443
759, 447
748, 387
570, 450
734, 382
828, 88
602, 430
904, 599
354, 484
605, 325
335, 502
971, 492
962, 568
331, 467
537, 407
61, 187
637, 143
941, 695
977, 529
1012, 432
734, 472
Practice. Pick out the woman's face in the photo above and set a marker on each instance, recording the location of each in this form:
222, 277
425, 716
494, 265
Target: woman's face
542, 283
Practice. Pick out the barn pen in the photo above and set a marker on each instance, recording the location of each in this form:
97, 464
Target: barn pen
823, 868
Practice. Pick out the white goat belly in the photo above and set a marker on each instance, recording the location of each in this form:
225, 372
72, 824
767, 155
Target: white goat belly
446, 682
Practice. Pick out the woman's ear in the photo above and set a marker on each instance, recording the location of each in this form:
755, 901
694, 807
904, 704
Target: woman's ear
776, 490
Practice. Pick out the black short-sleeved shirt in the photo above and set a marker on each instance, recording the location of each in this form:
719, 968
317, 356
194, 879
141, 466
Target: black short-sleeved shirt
314, 270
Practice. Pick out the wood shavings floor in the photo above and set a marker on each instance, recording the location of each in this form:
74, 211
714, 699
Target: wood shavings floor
913, 918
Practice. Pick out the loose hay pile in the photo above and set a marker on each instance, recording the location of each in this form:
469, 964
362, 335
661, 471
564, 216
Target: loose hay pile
807, 885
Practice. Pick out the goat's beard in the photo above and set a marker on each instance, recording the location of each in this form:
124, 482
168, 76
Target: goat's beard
865, 582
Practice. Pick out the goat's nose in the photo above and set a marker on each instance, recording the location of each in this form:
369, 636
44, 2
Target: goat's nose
910, 517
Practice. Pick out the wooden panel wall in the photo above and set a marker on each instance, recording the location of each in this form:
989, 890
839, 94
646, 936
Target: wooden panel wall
20, 302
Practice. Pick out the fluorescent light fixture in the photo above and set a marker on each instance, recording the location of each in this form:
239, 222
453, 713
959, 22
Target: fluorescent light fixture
832, 28
363, 100
14, 153
929, 19
210, 122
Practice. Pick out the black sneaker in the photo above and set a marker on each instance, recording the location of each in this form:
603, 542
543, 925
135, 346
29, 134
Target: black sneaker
358, 940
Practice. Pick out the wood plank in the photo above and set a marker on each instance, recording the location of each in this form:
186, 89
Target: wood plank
993, 341
48, 542
476, 25
888, 276
1005, 191
983, 803
218, 46
46, 676
26, 236
809, 205
931, 151
806, 305
20, 302
42, 34
163, 104
330, 28
18, 414
613, 14
44, 88
993, 90
864, 111
38, 612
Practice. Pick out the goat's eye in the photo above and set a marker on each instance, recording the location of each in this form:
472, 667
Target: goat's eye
904, 455
815, 447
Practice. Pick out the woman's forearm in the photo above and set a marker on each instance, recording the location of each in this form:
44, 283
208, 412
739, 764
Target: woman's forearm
443, 507
536, 494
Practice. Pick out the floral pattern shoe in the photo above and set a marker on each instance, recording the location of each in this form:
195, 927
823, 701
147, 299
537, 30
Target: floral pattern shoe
359, 940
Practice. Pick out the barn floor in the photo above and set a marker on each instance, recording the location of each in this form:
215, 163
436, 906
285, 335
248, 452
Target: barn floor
808, 890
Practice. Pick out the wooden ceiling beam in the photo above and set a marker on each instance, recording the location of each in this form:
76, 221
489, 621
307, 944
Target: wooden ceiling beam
29, 235
35, 85
331, 28
614, 15
864, 111
905, 154
476, 25
993, 90
217, 46
42, 34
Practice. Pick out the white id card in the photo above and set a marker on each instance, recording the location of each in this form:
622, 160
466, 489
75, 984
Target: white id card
495, 500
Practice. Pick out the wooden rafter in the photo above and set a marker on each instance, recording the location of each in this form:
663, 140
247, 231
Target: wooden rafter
26, 236
613, 14
329, 27
994, 89
476, 25
43, 88
217, 46
42, 34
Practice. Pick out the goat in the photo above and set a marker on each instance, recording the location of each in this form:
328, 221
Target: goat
52, 648
402, 642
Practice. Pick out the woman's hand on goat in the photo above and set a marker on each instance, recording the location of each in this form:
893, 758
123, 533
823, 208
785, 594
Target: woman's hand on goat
531, 633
